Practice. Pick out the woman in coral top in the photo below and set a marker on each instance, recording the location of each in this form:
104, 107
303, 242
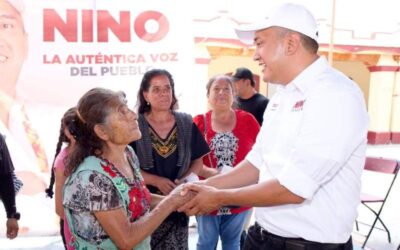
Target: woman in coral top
230, 134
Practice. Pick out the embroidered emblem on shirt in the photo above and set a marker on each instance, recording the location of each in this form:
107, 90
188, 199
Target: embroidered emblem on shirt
224, 145
298, 106
164, 147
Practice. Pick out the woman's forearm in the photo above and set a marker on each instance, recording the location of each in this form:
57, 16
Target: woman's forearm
60, 179
195, 167
149, 179
127, 235
155, 200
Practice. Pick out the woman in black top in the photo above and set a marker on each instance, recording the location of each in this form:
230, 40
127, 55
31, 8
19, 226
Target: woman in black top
171, 149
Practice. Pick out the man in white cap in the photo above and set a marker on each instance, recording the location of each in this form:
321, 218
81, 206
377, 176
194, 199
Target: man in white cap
303, 174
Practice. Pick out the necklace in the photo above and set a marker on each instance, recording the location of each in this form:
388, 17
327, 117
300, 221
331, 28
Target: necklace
125, 170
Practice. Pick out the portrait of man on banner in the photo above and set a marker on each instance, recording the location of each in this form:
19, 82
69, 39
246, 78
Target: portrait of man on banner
25, 145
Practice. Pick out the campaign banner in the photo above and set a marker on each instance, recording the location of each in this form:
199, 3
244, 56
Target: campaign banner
52, 52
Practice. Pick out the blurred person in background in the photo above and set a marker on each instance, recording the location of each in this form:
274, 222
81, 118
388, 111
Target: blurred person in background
247, 97
230, 134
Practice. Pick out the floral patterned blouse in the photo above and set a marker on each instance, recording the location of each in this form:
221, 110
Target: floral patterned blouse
92, 191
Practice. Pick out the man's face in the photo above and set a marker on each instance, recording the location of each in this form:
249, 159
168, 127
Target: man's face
13, 44
239, 85
270, 54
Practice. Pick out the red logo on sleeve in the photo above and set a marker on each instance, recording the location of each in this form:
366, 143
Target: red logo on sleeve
298, 106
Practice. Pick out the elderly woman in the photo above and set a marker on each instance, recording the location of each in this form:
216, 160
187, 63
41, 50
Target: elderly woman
106, 203
171, 148
230, 134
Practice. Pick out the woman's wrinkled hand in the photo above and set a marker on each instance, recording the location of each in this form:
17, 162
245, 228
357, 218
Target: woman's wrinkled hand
178, 198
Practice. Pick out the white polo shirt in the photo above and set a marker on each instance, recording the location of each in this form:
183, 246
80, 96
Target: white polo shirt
313, 140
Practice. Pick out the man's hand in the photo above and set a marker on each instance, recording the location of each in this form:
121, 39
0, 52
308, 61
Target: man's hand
176, 198
205, 201
12, 228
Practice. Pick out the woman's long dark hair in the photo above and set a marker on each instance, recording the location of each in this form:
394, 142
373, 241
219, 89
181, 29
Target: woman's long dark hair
142, 105
92, 109
67, 122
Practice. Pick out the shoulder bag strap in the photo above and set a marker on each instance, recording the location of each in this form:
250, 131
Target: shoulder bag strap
205, 137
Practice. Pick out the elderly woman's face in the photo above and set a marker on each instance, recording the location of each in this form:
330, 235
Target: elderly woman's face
220, 95
159, 95
122, 126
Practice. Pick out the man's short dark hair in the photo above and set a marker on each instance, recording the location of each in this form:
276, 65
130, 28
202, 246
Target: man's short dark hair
309, 44
244, 73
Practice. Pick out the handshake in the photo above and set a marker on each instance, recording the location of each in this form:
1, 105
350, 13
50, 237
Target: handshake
193, 197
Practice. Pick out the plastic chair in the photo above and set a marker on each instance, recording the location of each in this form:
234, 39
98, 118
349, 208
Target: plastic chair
385, 166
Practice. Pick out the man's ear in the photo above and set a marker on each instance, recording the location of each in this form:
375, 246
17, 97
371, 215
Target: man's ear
101, 132
292, 43
248, 82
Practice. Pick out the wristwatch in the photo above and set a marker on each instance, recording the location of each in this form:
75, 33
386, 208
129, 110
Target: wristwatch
15, 215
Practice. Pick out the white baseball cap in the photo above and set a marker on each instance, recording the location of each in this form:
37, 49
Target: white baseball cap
289, 15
